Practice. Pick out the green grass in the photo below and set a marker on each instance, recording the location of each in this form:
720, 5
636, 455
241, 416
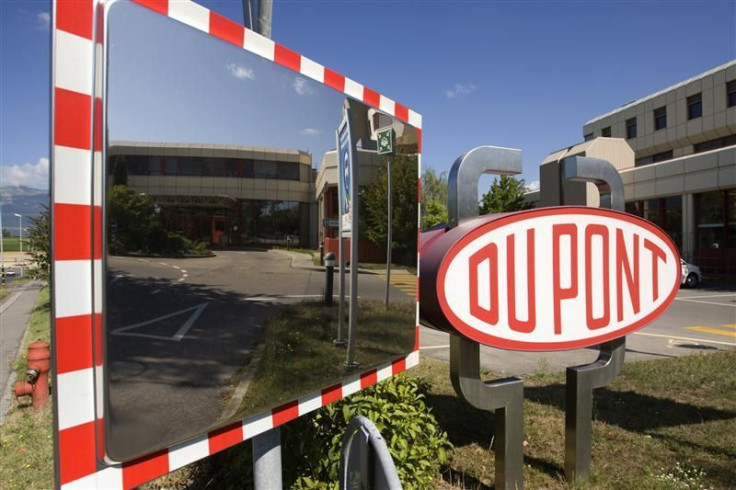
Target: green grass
299, 354
661, 424
12, 244
26, 445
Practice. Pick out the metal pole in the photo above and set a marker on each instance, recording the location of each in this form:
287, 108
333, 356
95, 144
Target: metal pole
20, 230
267, 467
353, 313
390, 226
267, 460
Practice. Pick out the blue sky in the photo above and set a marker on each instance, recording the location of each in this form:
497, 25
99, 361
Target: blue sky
523, 74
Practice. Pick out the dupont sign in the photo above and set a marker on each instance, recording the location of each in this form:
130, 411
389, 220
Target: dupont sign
548, 279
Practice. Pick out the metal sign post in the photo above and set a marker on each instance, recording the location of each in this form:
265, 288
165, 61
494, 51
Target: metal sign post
385, 147
504, 396
347, 190
582, 380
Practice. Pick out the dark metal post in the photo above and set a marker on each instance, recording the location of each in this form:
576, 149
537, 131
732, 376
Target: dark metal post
322, 253
388, 240
504, 396
582, 380
329, 277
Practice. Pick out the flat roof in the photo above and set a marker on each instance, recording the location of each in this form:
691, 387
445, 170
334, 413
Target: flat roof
663, 91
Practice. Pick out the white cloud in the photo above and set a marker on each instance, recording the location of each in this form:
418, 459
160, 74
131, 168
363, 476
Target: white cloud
311, 131
240, 72
532, 186
34, 175
302, 86
44, 20
460, 89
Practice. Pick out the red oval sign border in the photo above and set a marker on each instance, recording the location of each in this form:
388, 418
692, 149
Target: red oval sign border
493, 341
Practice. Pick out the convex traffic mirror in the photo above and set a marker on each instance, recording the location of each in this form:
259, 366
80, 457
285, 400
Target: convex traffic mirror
220, 183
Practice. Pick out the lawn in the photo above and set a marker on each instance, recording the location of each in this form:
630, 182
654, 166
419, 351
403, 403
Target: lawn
12, 244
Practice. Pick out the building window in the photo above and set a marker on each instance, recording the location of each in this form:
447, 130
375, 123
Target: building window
588, 137
664, 212
695, 106
657, 157
660, 118
631, 128
714, 144
715, 231
731, 93
606, 132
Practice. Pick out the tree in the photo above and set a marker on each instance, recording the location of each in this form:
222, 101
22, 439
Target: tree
506, 194
373, 210
39, 241
6, 233
434, 198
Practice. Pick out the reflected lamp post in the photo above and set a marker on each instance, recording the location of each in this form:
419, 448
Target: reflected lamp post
20, 229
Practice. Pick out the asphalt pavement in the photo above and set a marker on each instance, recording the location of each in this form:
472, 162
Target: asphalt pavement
15, 313
182, 334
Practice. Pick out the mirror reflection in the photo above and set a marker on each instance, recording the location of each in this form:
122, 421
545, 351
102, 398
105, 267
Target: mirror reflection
222, 197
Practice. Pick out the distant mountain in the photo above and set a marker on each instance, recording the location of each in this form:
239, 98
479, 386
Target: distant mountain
22, 200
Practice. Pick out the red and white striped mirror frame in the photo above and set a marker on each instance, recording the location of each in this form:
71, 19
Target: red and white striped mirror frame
76, 177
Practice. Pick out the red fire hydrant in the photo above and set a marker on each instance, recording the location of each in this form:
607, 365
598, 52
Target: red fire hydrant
39, 364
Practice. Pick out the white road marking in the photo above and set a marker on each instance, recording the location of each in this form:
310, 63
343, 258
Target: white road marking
730, 344
182, 271
432, 347
176, 267
164, 263
118, 276
156, 291
704, 302
179, 333
697, 296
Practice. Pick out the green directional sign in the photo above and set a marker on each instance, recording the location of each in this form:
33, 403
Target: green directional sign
385, 141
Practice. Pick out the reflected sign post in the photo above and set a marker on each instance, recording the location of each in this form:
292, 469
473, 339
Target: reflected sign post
347, 180
386, 147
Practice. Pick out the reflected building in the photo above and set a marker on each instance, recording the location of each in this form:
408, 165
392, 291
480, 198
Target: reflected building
224, 194
676, 153
365, 125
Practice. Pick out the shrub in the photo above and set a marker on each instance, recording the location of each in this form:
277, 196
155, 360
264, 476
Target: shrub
418, 445
311, 444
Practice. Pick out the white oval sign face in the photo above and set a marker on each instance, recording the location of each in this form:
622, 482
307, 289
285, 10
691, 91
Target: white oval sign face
558, 278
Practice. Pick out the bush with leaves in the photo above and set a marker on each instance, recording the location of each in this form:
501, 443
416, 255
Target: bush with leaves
39, 242
418, 446
311, 444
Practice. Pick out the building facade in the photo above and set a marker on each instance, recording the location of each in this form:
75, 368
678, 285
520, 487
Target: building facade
680, 172
224, 195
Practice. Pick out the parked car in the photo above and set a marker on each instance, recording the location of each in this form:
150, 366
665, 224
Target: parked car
690, 274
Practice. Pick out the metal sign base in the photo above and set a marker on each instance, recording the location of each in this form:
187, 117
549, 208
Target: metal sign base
504, 396
582, 380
